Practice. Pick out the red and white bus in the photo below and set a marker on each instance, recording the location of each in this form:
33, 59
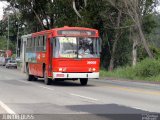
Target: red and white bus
67, 53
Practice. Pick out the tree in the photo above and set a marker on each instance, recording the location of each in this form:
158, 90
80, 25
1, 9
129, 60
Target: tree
121, 23
135, 10
45, 14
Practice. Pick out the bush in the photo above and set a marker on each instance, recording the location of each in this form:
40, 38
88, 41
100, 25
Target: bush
121, 72
147, 68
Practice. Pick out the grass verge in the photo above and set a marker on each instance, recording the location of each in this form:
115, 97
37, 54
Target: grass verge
147, 70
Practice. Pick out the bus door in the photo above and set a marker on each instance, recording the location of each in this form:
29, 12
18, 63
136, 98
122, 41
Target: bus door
50, 53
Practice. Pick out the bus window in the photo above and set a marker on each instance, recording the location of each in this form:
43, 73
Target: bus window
37, 44
44, 43
41, 43
88, 48
33, 44
28, 44
68, 47
81, 47
56, 47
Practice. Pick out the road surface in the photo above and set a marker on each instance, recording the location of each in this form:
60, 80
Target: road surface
100, 97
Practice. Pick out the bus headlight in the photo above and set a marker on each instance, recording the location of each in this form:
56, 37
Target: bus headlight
60, 69
92, 69
64, 69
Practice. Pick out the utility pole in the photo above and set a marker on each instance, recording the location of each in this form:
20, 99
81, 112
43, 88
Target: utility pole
17, 47
8, 34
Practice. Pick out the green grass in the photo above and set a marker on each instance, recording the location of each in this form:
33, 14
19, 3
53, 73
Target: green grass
154, 78
148, 70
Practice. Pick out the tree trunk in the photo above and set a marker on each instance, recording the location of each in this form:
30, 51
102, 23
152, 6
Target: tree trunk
134, 52
111, 65
144, 41
134, 36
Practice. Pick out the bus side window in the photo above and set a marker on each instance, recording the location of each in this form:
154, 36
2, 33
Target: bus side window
36, 43
40, 43
28, 44
32, 42
44, 43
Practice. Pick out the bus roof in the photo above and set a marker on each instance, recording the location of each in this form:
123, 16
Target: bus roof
63, 28
71, 28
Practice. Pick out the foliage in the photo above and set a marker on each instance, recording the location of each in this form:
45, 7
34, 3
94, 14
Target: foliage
143, 55
149, 23
123, 72
3, 44
154, 35
123, 51
147, 69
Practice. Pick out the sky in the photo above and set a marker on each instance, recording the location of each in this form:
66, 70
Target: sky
2, 4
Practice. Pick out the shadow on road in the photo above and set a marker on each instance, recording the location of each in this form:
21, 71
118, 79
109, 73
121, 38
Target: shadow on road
88, 117
99, 112
106, 109
64, 83
110, 111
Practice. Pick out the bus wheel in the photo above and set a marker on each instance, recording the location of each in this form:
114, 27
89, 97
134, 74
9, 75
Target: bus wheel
35, 78
83, 81
29, 77
47, 80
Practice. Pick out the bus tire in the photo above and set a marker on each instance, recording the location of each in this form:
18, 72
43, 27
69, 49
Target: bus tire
29, 77
84, 81
35, 78
47, 80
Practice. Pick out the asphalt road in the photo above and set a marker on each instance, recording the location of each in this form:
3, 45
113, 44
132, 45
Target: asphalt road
71, 100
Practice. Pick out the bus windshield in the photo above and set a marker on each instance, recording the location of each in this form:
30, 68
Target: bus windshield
77, 47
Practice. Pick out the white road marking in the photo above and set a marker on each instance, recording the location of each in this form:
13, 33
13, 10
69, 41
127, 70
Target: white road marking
37, 85
7, 109
46, 88
89, 98
84, 97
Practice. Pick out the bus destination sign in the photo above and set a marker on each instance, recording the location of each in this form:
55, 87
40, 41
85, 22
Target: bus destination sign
76, 32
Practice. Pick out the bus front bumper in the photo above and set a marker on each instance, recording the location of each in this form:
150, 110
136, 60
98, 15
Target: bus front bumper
75, 75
